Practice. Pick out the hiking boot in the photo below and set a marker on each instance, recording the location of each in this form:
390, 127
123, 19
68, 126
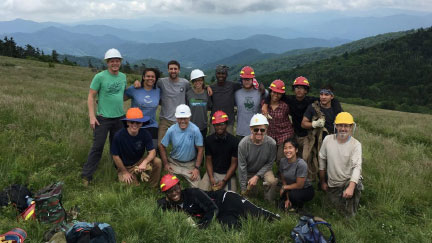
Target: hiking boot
85, 182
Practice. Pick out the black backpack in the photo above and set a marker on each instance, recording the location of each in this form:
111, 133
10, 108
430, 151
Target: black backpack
17, 195
307, 230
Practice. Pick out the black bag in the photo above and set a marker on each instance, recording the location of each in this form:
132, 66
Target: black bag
18, 195
307, 231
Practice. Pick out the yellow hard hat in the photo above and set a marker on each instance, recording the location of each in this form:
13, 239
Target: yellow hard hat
344, 118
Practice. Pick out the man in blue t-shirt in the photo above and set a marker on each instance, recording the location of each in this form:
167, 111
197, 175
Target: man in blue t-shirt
128, 150
186, 139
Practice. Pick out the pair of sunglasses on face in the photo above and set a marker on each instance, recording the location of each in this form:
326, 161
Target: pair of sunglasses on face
256, 130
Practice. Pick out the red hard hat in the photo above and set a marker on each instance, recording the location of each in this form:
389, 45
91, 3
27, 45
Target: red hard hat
301, 81
247, 72
278, 86
168, 181
219, 117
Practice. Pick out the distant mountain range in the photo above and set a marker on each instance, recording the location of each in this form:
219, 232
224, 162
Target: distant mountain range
287, 26
193, 52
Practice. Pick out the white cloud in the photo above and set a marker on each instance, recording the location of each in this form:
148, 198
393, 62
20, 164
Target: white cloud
72, 10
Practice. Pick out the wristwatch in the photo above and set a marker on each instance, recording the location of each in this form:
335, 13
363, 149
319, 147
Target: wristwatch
197, 167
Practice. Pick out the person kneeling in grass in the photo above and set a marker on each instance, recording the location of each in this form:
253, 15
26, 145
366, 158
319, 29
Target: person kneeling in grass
227, 206
296, 188
128, 148
340, 159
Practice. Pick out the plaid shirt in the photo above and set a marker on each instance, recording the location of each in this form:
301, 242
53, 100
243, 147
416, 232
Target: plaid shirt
280, 127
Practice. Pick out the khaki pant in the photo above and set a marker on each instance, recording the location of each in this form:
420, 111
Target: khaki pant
270, 184
348, 206
184, 169
300, 141
164, 124
279, 153
205, 183
156, 164
230, 129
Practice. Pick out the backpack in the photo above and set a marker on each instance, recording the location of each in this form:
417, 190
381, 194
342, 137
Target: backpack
16, 235
18, 195
83, 232
307, 231
49, 208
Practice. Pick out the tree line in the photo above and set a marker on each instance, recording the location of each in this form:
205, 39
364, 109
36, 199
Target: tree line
392, 75
8, 47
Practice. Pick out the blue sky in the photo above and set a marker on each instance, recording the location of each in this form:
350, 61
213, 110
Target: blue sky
79, 10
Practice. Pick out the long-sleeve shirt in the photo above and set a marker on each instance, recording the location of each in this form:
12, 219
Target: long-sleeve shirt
343, 161
195, 203
255, 159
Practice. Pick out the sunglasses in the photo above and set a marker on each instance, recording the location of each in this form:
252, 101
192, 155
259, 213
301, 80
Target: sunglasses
220, 124
256, 130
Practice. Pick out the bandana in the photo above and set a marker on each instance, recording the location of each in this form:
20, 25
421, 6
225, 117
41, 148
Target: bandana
326, 91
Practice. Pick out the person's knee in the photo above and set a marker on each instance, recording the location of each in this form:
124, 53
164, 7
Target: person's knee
157, 163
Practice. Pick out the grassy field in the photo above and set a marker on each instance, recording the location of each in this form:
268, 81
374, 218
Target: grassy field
45, 137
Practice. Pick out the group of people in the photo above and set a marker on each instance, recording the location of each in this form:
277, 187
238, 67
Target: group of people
307, 139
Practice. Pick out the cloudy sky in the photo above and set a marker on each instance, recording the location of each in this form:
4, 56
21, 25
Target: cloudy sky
77, 10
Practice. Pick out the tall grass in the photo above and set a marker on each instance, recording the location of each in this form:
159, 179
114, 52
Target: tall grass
45, 137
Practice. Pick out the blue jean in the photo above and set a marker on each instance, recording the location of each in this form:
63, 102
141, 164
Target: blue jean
107, 125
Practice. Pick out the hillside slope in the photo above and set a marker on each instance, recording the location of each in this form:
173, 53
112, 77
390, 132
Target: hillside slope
395, 74
45, 137
294, 58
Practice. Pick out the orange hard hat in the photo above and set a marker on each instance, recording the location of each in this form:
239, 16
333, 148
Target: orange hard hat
247, 72
278, 86
168, 181
135, 114
301, 81
219, 117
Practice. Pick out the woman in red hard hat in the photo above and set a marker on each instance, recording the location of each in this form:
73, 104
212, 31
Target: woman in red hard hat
280, 127
227, 206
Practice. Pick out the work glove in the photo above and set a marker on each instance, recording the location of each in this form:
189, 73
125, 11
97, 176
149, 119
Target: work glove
318, 123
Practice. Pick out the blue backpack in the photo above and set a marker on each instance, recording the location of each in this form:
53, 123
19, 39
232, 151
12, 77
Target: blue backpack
83, 232
307, 230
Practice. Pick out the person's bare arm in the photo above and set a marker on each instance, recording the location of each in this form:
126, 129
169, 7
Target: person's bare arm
164, 158
91, 108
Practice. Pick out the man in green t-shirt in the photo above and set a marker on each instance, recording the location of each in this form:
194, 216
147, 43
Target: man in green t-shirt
109, 86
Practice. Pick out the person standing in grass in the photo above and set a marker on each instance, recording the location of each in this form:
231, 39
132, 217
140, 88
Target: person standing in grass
187, 147
108, 86
198, 101
128, 149
296, 188
340, 159
228, 207
223, 98
221, 149
280, 127
248, 102
147, 99
256, 155
318, 120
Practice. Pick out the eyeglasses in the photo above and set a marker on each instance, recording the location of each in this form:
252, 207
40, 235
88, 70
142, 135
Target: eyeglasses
173, 189
219, 124
256, 130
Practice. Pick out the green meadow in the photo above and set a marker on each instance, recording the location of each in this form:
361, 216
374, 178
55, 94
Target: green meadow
45, 137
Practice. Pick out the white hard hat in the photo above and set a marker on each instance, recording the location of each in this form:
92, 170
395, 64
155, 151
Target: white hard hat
258, 119
112, 53
183, 111
196, 73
